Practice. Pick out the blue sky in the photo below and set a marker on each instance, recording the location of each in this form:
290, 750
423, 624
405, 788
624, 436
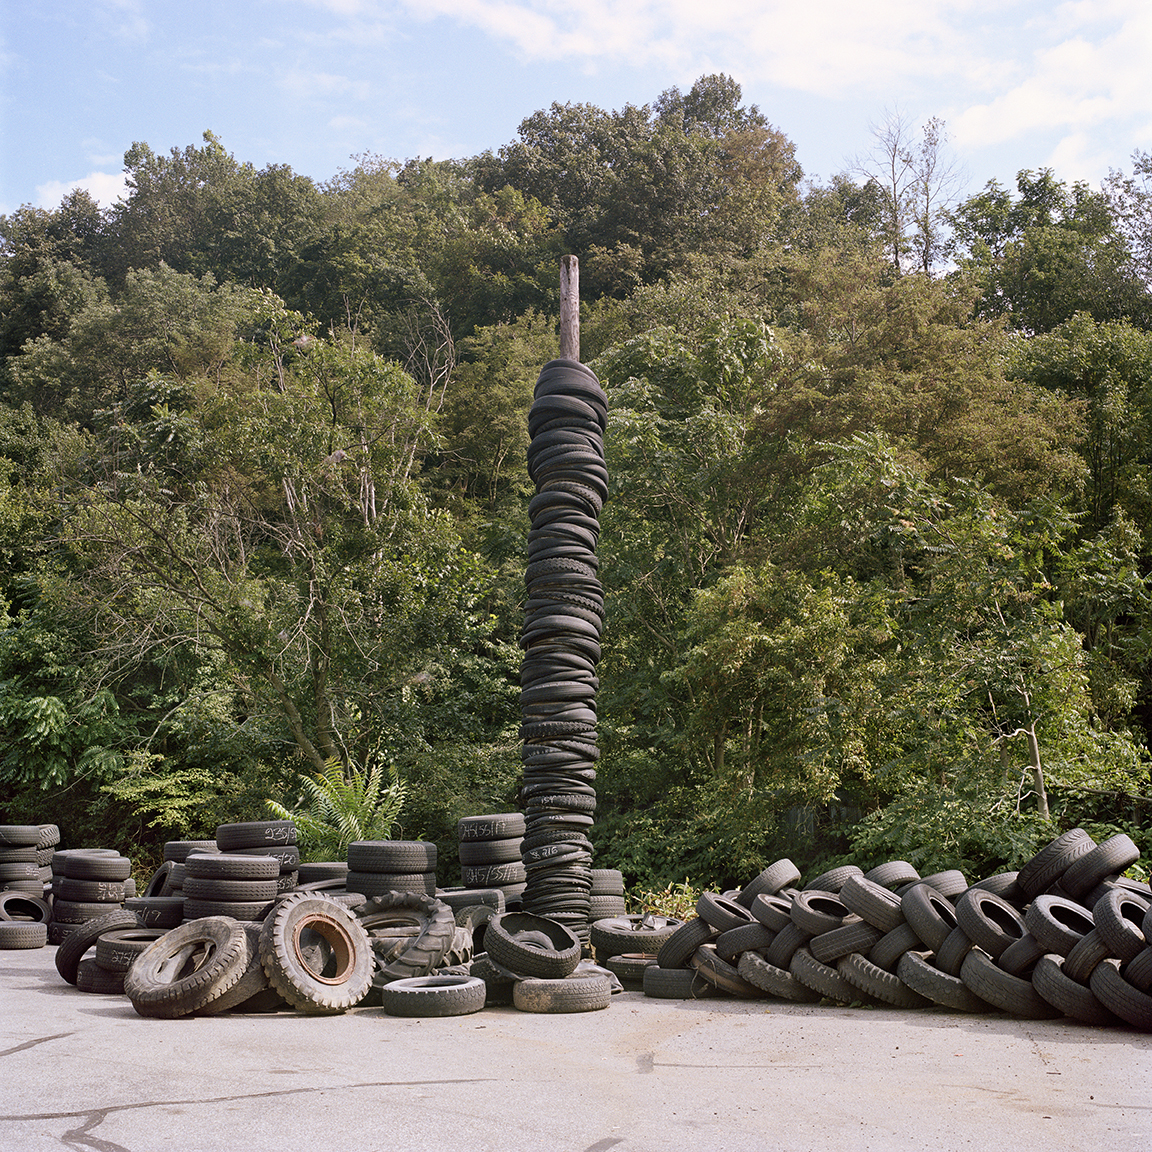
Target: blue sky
311, 83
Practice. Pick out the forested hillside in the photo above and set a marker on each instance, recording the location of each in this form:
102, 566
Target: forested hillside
877, 551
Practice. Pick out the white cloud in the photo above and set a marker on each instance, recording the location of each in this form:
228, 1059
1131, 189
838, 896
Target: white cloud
104, 187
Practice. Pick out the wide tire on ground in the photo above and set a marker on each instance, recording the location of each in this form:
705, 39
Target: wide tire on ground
574, 993
339, 978
434, 996
187, 967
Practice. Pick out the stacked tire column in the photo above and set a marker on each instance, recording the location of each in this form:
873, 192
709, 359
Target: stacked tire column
563, 619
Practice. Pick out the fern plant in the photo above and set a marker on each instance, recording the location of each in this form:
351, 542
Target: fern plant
341, 805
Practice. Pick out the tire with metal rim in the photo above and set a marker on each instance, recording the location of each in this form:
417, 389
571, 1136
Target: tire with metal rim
574, 993
187, 967
346, 975
433, 996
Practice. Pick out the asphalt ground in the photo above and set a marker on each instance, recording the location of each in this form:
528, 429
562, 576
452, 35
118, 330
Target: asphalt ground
83, 1071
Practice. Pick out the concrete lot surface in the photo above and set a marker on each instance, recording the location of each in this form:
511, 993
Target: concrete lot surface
83, 1071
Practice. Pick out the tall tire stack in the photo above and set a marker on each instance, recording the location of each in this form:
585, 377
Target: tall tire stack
264, 838
376, 867
490, 847
88, 884
20, 869
563, 620
229, 884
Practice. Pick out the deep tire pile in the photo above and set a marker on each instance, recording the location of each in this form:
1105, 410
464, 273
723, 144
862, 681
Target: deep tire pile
1066, 936
563, 621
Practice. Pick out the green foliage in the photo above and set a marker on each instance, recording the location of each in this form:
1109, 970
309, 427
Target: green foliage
677, 900
340, 805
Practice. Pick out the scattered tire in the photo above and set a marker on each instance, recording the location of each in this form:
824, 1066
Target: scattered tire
433, 996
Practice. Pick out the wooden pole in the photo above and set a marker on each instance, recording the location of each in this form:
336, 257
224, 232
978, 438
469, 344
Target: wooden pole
569, 308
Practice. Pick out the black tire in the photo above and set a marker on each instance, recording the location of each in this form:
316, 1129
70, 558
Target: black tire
629, 967
433, 996
253, 981
493, 875
1120, 997
244, 891
942, 989
382, 883
177, 851
951, 883
575, 993
723, 975
287, 854
157, 911
187, 967
255, 834
676, 984
873, 903
1138, 972
159, 880
879, 983
246, 910
886, 952
1086, 953
227, 866
1021, 956
425, 949
391, 856
989, 922
319, 870
1058, 924
720, 912
998, 988
679, 948
893, 874
500, 826
784, 945
77, 942
1005, 885
1065, 994
477, 852
775, 981
781, 874
529, 957
1053, 860
1110, 857
950, 955
336, 987
747, 938
19, 835
822, 978
82, 866
617, 934
74, 912
17, 935
1119, 916
816, 912
23, 907
90, 977
834, 879
855, 936
607, 882
774, 912
116, 951
931, 915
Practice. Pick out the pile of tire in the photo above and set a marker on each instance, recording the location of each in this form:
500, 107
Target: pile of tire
628, 945
1064, 936
489, 847
563, 621
533, 962
378, 867
229, 884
